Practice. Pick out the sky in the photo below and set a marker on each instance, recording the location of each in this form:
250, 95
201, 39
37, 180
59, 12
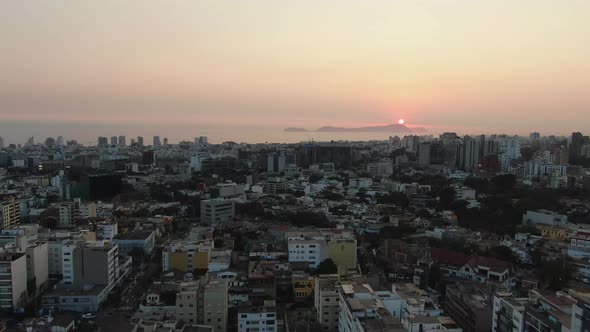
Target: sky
183, 68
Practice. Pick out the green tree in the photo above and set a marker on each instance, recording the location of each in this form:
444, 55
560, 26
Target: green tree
315, 177
327, 266
446, 197
555, 273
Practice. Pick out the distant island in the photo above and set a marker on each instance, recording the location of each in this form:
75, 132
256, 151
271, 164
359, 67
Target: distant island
391, 128
296, 130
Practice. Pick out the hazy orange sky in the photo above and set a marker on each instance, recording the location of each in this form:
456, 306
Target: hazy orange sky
490, 66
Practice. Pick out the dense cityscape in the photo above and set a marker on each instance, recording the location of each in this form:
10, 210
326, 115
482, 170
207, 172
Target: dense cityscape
415, 233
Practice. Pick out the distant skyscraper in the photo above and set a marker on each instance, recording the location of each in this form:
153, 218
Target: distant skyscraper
451, 151
50, 142
1, 142
140, 140
203, 140
491, 147
30, 141
470, 154
122, 141
481, 143
114, 140
437, 153
132, 141
535, 136
60, 141
424, 154
157, 141
165, 141
575, 148
103, 141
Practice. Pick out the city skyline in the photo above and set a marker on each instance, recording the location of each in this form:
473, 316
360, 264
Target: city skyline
218, 65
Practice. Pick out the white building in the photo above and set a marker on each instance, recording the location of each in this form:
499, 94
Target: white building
217, 211
38, 264
230, 189
308, 248
13, 280
508, 313
107, 230
263, 318
544, 217
579, 246
69, 212
381, 169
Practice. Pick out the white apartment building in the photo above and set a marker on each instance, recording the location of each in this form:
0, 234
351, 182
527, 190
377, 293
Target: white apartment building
544, 217
508, 313
13, 280
217, 211
67, 261
107, 230
262, 319
68, 212
381, 169
326, 301
186, 305
307, 247
38, 264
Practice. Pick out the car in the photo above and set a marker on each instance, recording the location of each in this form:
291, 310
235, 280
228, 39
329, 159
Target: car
89, 315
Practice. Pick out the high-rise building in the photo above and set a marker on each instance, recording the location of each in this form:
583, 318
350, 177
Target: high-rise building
508, 313
157, 141
165, 141
30, 141
50, 142
326, 297
140, 140
451, 150
424, 154
60, 141
437, 153
102, 141
122, 141
114, 140
38, 264
276, 163
95, 264
581, 314
1, 142
534, 137
491, 147
13, 280
215, 305
470, 154
575, 148
69, 212
481, 143
9, 213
